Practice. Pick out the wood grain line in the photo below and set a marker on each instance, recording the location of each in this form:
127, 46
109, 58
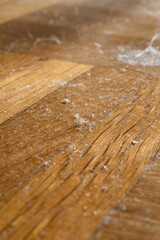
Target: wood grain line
35, 153
79, 120
139, 209
117, 176
32, 81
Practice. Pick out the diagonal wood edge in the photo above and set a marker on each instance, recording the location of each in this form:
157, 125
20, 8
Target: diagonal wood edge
102, 171
30, 80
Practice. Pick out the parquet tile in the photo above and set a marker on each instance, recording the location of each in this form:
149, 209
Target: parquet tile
79, 120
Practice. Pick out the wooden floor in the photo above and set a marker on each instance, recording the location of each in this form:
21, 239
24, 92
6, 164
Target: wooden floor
79, 120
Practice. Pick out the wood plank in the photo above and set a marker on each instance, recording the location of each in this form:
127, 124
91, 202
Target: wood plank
87, 179
79, 130
98, 38
138, 215
52, 125
29, 79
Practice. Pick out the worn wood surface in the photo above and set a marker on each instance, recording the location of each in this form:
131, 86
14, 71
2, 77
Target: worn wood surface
79, 120
137, 216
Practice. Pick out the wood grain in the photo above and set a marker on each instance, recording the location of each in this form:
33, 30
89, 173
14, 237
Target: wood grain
138, 215
79, 129
34, 79
50, 118
79, 165
94, 39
